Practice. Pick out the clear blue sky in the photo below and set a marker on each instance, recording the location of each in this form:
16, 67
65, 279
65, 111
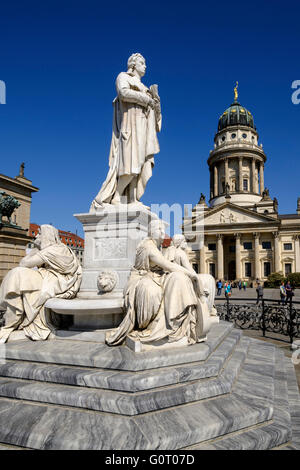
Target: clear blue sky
59, 60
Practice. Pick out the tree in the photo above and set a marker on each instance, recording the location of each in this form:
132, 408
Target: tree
275, 280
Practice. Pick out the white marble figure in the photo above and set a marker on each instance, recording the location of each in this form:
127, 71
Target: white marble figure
176, 253
222, 218
164, 302
137, 119
49, 270
232, 218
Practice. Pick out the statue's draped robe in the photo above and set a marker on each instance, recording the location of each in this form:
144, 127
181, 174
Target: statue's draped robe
134, 140
158, 305
24, 291
179, 256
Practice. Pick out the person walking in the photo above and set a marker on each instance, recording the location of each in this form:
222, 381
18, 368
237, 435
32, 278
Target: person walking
289, 292
282, 293
259, 292
219, 287
245, 285
228, 290
240, 285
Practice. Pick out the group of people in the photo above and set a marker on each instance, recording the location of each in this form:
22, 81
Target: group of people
286, 292
227, 288
229, 285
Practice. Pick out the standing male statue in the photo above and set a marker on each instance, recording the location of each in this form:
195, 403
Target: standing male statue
136, 120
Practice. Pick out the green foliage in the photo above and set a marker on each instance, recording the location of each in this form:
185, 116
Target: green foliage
275, 280
294, 279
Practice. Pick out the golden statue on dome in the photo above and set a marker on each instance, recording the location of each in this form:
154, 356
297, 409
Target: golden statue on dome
236, 95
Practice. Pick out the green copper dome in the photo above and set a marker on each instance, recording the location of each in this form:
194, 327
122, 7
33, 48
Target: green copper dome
236, 115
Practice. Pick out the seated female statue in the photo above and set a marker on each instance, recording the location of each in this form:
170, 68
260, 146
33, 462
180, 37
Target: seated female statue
50, 270
177, 253
163, 301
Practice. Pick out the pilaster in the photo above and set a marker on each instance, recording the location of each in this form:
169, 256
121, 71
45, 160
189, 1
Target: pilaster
220, 257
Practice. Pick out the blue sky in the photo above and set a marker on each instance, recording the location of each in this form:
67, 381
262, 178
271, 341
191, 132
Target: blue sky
59, 60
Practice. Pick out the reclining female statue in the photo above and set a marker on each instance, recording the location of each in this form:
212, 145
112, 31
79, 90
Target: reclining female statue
176, 253
164, 302
50, 270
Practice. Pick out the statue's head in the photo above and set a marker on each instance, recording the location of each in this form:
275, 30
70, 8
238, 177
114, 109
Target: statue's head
137, 63
179, 241
47, 236
156, 231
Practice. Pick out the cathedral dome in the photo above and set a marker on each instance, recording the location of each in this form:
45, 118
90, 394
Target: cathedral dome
235, 115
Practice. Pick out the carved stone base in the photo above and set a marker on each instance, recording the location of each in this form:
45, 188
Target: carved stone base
111, 238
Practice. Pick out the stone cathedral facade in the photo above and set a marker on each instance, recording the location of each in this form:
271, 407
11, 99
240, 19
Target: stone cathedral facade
243, 237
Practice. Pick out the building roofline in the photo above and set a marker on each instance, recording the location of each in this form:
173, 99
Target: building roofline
17, 182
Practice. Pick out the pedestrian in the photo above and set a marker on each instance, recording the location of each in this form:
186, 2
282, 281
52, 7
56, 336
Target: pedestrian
289, 292
219, 287
225, 287
259, 292
228, 290
240, 285
245, 285
282, 293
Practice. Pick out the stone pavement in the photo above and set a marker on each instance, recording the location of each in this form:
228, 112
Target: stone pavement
250, 293
280, 341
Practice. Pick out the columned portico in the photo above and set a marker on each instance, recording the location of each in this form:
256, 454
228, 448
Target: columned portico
215, 181
202, 259
276, 252
256, 256
238, 265
226, 171
261, 177
253, 176
241, 174
297, 253
220, 257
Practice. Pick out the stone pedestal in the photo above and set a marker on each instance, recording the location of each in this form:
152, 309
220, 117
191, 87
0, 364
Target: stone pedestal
112, 235
230, 392
111, 239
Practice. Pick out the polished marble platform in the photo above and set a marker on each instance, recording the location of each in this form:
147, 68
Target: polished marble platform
231, 392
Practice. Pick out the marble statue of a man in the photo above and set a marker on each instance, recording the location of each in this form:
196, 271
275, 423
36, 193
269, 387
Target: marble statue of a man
164, 302
136, 120
49, 270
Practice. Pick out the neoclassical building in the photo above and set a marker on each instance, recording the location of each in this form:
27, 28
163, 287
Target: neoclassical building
14, 237
240, 234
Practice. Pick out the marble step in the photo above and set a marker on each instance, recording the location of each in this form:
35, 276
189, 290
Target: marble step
8, 447
124, 381
89, 354
277, 433
128, 403
251, 402
294, 402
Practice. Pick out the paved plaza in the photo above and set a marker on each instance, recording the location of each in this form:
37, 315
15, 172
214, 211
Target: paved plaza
280, 341
250, 293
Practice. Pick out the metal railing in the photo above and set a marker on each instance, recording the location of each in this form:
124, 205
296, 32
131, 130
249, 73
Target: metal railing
268, 315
